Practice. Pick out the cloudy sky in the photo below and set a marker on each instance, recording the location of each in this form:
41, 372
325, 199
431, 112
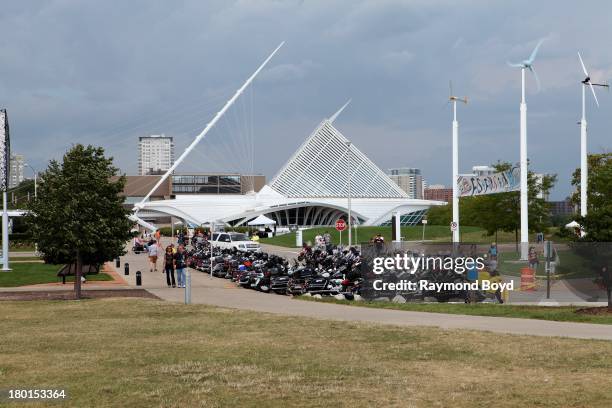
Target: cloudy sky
107, 72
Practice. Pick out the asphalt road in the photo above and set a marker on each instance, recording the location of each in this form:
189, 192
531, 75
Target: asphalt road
223, 293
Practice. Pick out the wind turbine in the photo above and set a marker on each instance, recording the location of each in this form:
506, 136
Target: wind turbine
526, 64
583, 137
454, 99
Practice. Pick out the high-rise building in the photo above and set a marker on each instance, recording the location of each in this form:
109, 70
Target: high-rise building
155, 154
439, 192
16, 170
408, 179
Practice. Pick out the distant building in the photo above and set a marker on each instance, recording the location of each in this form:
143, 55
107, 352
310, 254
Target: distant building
16, 170
136, 187
216, 183
408, 179
562, 208
439, 192
155, 154
539, 177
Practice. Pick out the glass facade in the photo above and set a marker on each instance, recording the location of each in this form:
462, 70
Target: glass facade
206, 184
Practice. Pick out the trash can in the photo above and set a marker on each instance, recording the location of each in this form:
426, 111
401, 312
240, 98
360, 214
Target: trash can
138, 278
298, 238
126, 268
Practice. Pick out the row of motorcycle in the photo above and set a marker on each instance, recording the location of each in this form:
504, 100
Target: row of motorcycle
333, 272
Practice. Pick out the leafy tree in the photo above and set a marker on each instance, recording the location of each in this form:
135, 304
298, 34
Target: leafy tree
79, 216
598, 222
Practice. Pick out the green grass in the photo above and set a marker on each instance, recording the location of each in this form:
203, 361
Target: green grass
560, 314
363, 234
25, 258
570, 266
23, 274
411, 233
200, 356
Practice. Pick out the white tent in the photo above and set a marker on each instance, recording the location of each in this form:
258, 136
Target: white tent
572, 224
262, 220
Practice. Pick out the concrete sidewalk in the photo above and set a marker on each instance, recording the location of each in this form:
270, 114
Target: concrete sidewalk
222, 292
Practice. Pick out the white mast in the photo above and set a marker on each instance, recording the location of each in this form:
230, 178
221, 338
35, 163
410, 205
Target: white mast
523, 163
454, 99
584, 169
526, 64
208, 127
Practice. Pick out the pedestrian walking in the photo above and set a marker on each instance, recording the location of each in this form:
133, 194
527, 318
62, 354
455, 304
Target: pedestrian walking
533, 258
493, 251
180, 265
169, 266
153, 250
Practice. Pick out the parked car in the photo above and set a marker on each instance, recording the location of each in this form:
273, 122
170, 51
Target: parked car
235, 240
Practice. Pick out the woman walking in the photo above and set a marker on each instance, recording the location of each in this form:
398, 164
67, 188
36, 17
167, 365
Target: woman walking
169, 266
180, 265
153, 250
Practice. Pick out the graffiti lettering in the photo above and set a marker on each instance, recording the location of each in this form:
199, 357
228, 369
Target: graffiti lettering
494, 183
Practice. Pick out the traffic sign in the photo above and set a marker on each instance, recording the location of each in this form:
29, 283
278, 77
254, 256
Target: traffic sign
453, 226
340, 225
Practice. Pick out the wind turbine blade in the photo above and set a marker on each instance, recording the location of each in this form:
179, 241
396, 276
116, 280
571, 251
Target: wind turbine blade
515, 65
535, 74
535, 51
594, 95
582, 63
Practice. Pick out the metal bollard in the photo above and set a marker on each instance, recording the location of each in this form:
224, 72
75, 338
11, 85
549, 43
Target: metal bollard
126, 268
138, 278
187, 286
117, 262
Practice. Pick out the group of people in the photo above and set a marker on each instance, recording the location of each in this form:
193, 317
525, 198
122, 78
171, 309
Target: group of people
174, 260
323, 241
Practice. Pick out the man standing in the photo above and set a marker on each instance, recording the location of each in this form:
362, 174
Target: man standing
327, 239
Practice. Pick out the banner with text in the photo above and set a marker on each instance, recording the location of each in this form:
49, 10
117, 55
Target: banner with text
502, 182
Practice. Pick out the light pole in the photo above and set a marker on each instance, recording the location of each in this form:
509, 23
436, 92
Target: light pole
350, 221
35, 179
424, 221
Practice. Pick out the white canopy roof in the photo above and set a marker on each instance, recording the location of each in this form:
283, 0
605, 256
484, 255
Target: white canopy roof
572, 224
262, 220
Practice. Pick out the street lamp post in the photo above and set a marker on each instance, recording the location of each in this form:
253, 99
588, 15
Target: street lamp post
35, 197
424, 221
35, 179
350, 221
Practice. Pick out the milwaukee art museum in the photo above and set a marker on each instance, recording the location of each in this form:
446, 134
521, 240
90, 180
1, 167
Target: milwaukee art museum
311, 189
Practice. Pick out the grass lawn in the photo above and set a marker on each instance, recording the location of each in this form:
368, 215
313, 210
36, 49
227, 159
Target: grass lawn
412, 233
561, 314
33, 273
144, 353
570, 265
25, 258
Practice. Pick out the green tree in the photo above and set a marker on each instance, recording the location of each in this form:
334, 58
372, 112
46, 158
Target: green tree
598, 222
79, 216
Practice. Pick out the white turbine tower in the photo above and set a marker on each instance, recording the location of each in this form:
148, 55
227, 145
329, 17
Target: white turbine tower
454, 99
583, 138
526, 64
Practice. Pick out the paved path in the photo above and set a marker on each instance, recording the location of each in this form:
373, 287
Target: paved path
221, 292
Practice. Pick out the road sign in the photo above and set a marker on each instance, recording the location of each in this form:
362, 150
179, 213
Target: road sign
340, 225
453, 226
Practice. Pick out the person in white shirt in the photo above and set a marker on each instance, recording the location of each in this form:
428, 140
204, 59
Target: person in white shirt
153, 249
